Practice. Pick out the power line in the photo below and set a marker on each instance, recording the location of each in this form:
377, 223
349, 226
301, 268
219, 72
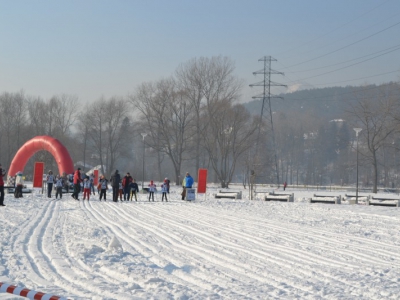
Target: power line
346, 61
344, 47
333, 42
345, 67
333, 30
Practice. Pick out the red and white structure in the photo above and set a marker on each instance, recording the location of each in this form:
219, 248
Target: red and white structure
34, 295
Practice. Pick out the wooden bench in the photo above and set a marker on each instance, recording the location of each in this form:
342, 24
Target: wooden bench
377, 201
230, 194
326, 199
352, 198
279, 197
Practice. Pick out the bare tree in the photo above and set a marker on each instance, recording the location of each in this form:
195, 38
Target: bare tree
378, 118
228, 137
63, 111
106, 130
13, 117
206, 81
166, 113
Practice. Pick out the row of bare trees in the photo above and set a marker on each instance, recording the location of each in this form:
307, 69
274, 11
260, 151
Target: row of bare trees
191, 120
316, 151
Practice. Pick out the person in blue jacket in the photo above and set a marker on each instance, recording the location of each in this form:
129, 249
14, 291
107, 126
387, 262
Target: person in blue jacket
188, 181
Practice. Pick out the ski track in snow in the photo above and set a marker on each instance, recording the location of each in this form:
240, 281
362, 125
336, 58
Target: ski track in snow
214, 249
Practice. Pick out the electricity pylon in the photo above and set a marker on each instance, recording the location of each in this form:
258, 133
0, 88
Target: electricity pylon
266, 110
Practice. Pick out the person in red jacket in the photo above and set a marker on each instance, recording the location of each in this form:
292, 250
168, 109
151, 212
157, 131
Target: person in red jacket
2, 173
126, 185
77, 184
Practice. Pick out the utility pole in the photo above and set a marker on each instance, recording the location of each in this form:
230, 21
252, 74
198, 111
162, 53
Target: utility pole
266, 110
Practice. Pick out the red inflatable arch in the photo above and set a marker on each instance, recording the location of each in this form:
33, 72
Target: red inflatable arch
39, 143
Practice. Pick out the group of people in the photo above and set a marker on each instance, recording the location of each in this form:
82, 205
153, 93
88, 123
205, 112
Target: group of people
125, 189
19, 183
164, 190
58, 181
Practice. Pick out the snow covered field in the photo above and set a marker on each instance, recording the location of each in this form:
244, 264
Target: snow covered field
208, 249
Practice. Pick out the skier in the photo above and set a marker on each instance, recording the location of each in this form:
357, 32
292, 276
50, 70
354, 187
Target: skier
86, 188
166, 180
126, 181
59, 185
134, 189
152, 189
102, 187
19, 182
91, 179
50, 181
284, 185
115, 180
77, 184
164, 190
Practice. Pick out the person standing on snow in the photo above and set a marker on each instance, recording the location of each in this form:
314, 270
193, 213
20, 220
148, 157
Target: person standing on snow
19, 182
2, 173
188, 181
167, 181
164, 190
86, 188
77, 184
284, 185
152, 189
103, 187
91, 179
115, 181
126, 181
59, 185
184, 188
134, 189
50, 181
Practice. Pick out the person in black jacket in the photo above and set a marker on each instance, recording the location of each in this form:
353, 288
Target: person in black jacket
115, 181
134, 189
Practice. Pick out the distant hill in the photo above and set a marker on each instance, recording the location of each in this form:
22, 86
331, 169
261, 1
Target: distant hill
327, 102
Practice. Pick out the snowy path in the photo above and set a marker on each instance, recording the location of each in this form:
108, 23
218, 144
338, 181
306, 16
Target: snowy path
208, 249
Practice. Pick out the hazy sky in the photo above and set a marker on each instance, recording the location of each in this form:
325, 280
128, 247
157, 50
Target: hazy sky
107, 48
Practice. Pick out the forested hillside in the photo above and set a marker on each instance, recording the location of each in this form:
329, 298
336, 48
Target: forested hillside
316, 142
